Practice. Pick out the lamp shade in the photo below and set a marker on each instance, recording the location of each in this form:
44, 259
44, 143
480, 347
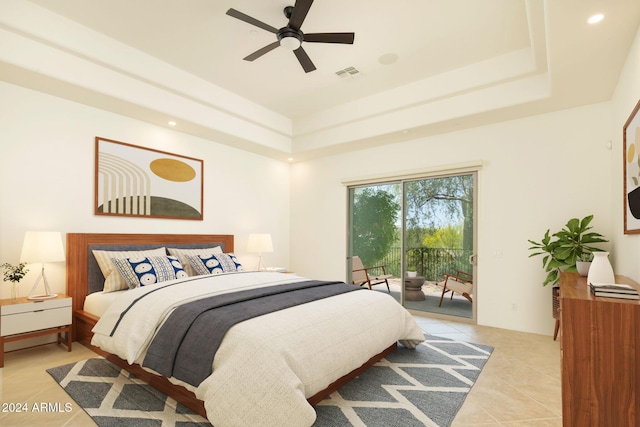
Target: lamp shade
260, 243
42, 246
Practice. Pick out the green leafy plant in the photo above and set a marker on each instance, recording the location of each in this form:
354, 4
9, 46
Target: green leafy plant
561, 250
585, 257
14, 273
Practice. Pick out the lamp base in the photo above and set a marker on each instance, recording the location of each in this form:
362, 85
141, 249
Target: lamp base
260, 266
42, 297
48, 294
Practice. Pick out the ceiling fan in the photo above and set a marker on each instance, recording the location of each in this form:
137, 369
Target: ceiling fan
291, 36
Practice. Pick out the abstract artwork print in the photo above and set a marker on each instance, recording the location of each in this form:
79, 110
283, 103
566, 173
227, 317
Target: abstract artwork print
138, 181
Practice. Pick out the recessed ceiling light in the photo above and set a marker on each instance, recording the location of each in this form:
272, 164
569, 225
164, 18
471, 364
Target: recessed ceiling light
595, 18
172, 123
290, 159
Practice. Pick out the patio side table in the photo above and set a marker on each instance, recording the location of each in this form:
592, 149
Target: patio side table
413, 288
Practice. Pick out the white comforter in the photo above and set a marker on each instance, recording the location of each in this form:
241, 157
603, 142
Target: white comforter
267, 367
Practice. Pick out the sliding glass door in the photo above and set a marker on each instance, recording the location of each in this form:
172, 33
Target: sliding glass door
423, 227
439, 240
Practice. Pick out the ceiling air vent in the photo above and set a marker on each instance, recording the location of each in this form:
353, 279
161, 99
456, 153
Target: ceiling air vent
349, 73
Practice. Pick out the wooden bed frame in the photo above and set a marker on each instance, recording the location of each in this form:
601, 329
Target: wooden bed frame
78, 257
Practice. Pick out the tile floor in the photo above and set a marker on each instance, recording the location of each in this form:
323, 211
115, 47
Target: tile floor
519, 386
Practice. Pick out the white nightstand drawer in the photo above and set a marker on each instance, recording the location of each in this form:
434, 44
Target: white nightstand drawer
28, 306
34, 320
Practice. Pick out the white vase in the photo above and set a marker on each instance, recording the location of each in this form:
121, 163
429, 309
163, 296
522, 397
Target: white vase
601, 270
14, 291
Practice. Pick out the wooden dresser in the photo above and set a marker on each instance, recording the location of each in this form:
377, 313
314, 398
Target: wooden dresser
600, 343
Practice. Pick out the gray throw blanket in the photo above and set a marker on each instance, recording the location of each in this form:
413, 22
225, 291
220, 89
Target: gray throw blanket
186, 344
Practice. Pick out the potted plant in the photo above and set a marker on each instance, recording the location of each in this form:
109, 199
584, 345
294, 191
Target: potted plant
583, 263
412, 271
13, 274
412, 260
561, 250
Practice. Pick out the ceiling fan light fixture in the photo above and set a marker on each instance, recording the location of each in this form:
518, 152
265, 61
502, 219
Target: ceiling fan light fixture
290, 43
289, 38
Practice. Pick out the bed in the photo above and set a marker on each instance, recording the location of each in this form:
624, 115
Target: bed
268, 370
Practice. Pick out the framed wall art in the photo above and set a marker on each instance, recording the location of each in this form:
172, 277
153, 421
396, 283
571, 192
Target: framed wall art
142, 182
631, 174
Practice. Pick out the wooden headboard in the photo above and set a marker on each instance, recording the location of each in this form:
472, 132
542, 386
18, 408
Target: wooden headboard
79, 256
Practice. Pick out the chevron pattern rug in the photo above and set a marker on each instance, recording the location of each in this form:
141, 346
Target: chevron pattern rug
423, 387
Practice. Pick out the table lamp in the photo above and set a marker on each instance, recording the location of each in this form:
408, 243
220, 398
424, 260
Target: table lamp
260, 243
42, 246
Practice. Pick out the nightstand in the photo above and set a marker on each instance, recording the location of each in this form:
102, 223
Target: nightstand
24, 318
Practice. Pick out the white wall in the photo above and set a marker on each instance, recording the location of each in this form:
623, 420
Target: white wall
538, 172
625, 98
47, 179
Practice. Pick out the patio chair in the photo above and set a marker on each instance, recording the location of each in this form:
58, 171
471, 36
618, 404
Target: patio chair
361, 275
460, 283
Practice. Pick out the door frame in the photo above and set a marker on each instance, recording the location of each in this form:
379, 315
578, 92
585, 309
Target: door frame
473, 168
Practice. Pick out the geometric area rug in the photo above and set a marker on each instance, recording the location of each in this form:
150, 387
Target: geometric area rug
422, 387
113, 397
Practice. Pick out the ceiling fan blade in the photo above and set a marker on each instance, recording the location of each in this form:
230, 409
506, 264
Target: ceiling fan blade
300, 11
258, 53
304, 60
345, 38
249, 20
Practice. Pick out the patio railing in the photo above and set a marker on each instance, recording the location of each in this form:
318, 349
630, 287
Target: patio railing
432, 263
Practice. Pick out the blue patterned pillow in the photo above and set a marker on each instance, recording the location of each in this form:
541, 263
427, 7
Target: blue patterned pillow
214, 264
143, 271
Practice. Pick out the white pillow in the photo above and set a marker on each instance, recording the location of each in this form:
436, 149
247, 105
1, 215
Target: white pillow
113, 281
183, 253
